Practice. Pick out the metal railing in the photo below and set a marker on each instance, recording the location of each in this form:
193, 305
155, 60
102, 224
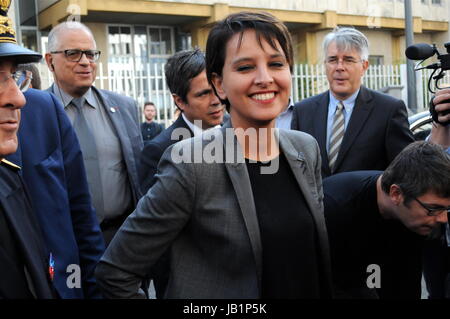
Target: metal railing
147, 83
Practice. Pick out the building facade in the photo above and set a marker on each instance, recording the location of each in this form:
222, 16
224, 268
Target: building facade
156, 29
139, 35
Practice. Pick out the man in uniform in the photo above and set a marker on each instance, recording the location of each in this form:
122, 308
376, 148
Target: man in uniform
26, 268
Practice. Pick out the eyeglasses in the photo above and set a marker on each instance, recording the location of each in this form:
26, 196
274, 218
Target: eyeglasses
21, 78
75, 55
433, 211
347, 61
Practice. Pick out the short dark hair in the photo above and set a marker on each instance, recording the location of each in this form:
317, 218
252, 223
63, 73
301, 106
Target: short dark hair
420, 168
181, 68
265, 25
149, 103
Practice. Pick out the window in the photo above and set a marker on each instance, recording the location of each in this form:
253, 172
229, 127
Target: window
27, 12
137, 55
376, 59
436, 2
30, 39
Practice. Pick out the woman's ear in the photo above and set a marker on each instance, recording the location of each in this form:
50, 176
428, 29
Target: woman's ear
217, 83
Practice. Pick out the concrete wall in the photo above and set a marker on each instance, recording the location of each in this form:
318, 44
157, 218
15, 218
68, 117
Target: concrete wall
380, 43
418, 38
385, 8
101, 38
44, 4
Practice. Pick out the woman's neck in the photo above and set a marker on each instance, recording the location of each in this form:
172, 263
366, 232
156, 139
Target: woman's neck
258, 143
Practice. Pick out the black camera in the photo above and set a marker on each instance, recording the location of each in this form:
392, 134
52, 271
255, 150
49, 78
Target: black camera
423, 51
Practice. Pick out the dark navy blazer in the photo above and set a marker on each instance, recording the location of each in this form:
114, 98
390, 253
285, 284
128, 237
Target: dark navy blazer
53, 170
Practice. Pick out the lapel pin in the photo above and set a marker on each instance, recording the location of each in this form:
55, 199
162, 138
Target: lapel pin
51, 267
113, 110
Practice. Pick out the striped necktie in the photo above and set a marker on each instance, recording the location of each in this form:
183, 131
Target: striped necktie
337, 134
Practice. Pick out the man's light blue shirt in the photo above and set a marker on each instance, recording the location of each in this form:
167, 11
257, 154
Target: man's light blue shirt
349, 104
284, 120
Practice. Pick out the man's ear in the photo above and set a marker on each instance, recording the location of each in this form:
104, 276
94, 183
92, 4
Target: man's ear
49, 60
178, 101
365, 64
217, 83
395, 194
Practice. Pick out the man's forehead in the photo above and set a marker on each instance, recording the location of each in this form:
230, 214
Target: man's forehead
335, 49
74, 36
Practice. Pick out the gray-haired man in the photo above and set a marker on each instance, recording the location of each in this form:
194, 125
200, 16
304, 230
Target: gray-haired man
106, 124
356, 128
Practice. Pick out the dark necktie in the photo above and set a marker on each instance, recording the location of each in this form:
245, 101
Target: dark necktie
90, 155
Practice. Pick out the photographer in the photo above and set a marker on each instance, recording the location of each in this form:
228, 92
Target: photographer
436, 263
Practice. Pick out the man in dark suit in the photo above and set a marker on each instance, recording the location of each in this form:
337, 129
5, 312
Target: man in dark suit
25, 264
106, 124
200, 109
53, 170
356, 128
150, 128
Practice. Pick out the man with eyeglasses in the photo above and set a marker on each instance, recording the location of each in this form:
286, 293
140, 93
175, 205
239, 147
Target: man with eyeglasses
378, 222
106, 124
356, 128
24, 258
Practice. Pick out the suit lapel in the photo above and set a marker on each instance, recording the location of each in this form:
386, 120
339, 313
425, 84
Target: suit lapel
361, 111
298, 166
181, 123
240, 179
114, 113
306, 181
320, 128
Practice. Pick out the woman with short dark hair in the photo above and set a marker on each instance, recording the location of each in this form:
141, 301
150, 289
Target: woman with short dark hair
240, 207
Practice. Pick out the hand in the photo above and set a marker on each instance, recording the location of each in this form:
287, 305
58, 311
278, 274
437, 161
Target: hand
442, 95
441, 134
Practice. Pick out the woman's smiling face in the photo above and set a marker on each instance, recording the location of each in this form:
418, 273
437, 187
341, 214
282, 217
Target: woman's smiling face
256, 80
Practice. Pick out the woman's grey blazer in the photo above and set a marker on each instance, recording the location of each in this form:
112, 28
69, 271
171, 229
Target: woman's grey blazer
204, 213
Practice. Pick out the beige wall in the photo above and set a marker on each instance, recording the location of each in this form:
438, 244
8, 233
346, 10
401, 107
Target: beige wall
380, 43
385, 8
308, 43
319, 38
418, 38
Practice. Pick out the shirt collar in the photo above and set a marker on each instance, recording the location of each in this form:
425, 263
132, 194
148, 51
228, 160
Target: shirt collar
348, 103
194, 128
66, 98
289, 108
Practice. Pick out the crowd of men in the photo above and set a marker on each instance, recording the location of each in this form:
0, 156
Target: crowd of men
78, 163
